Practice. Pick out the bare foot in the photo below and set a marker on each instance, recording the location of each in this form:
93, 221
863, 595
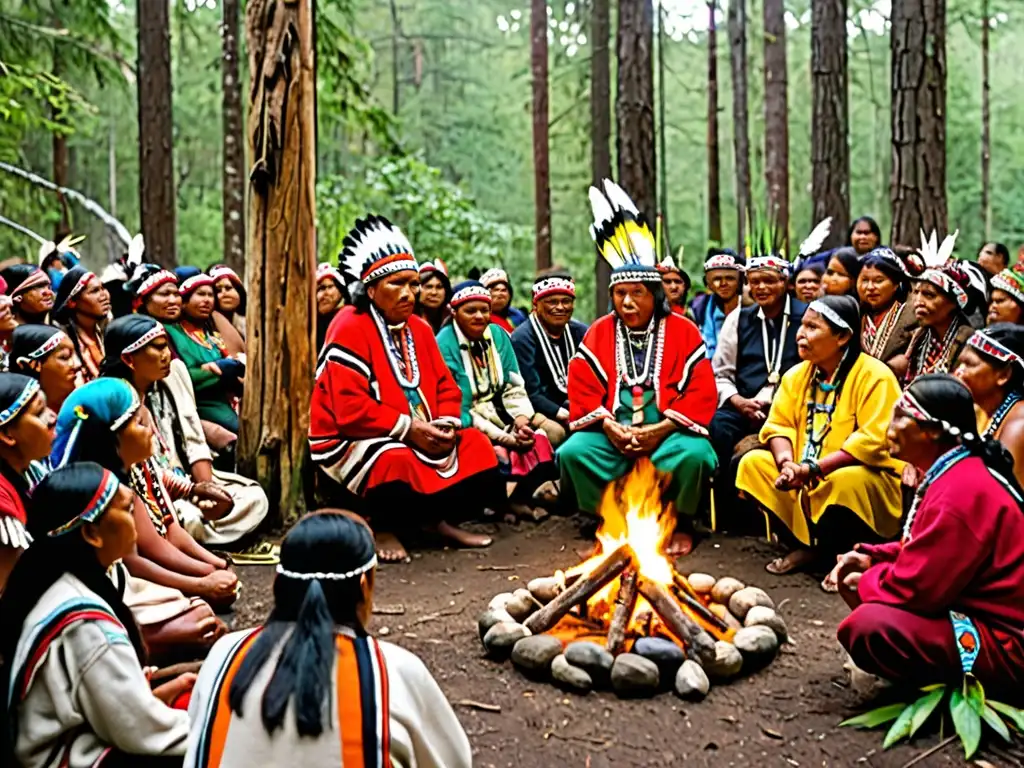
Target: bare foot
526, 512
390, 549
464, 538
794, 561
547, 493
680, 544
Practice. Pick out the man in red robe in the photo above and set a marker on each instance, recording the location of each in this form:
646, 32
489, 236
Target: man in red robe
385, 417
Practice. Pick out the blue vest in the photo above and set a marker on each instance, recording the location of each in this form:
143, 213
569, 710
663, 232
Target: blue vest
751, 372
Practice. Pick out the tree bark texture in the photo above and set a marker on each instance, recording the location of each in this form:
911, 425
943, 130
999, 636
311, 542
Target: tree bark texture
634, 105
776, 117
830, 150
714, 164
600, 126
157, 203
737, 23
917, 187
234, 152
986, 123
282, 249
541, 159
662, 155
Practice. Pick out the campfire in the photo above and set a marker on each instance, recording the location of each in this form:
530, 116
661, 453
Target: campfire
629, 595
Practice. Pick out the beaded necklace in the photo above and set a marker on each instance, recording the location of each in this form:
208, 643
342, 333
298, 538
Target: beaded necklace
933, 353
401, 354
627, 362
557, 360
876, 336
944, 463
483, 367
1000, 415
816, 440
202, 338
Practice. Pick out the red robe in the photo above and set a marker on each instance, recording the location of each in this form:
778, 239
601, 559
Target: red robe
965, 553
359, 413
683, 378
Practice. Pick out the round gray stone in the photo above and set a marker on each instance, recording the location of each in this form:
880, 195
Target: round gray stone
592, 658
490, 617
666, 654
725, 588
702, 583
545, 589
757, 644
521, 606
763, 616
727, 662
533, 654
742, 601
569, 677
634, 676
692, 681
502, 636
500, 600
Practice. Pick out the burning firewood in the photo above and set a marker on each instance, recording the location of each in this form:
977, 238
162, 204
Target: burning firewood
625, 604
716, 626
581, 591
698, 643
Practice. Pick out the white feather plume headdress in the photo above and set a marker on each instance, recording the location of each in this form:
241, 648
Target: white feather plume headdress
942, 271
622, 235
374, 248
934, 255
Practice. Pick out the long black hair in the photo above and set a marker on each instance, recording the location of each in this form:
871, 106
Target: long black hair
59, 498
120, 333
951, 406
340, 549
851, 262
872, 224
890, 264
25, 340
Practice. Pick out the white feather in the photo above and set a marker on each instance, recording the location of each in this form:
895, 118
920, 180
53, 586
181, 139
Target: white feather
45, 249
620, 200
975, 276
946, 249
136, 248
644, 249
601, 209
812, 243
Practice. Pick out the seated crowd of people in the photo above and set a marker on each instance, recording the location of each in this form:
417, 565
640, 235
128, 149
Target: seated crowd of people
862, 401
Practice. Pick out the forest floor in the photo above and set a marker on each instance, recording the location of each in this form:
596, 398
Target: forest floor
787, 714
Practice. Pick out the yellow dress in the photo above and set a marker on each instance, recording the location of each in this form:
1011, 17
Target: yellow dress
859, 423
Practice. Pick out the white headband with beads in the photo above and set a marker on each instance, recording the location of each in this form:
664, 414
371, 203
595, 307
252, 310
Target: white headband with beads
368, 565
824, 309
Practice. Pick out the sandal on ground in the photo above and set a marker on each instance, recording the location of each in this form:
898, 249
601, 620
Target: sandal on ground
262, 553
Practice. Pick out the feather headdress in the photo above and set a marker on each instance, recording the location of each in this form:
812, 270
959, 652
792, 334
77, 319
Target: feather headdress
934, 255
67, 245
622, 235
941, 270
374, 248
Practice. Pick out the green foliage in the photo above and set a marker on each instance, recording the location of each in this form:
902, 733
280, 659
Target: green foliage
968, 709
440, 220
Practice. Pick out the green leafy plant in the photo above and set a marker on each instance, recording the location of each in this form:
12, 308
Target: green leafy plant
968, 708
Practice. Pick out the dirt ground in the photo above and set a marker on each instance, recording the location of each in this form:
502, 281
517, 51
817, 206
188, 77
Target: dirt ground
787, 714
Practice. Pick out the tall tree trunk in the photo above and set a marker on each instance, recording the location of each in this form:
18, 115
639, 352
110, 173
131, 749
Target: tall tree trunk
234, 153
600, 127
282, 249
396, 96
157, 205
662, 154
776, 116
541, 160
830, 150
986, 124
634, 105
714, 165
737, 22
918, 185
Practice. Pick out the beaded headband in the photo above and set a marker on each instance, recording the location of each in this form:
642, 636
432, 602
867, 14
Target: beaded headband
825, 310
154, 281
121, 420
319, 575
634, 273
492, 276
775, 263
433, 266
194, 282
45, 348
96, 506
550, 286
945, 283
325, 270
155, 332
399, 263
723, 261
36, 280
889, 256
470, 293
913, 408
8, 414
1011, 282
221, 272
79, 287
984, 343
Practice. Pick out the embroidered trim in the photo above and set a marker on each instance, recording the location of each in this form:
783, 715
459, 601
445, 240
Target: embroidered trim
882, 332
968, 640
11, 412
218, 272
325, 270
626, 362
155, 332
413, 381
772, 262
635, 274
945, 283
1007, 281
403, 264
598, 414
194, 282
723, 261
685, 422
82, 282
46, 347
97, 505
121, 420
584, 353
984, 343
1000, 415
493, 276
824, 309
550, 286
36, 280
154, 281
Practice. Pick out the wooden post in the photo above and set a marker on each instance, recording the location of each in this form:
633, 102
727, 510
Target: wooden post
272, 445
233, 152
625, 604
699, 645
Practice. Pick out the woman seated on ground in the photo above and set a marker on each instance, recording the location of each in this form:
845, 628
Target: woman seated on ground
1006, 304
841, 273
827, 476
106, 421
865, 235
385, 418
216, 375
888, 319
329, 300
948, 598
807, 282
480, 357
46, 354
283, 693
992, 367
435, 294
79, 696
30, 290
230, 298
139, 352
26, 424
82, 308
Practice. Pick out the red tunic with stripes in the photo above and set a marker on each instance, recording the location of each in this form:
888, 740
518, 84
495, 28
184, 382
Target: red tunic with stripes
371, 383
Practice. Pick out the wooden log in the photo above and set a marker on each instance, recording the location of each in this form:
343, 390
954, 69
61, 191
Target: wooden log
684, 596
699, 645
581, 591
625, 604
